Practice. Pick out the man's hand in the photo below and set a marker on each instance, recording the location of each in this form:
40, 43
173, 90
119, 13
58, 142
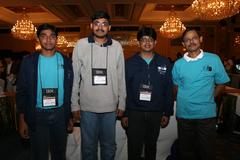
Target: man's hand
119, 113
76, 116
124, 122
218, 89
23, 128
164, 121
70, 125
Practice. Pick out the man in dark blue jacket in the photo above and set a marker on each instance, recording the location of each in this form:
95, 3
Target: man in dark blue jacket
149, 96
43, 97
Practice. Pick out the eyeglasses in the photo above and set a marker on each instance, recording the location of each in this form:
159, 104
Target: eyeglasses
145, 40
98, 24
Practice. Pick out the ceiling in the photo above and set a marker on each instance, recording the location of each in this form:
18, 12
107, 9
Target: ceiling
72, 13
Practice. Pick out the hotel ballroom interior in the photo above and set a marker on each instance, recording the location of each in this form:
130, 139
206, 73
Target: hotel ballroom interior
218, 23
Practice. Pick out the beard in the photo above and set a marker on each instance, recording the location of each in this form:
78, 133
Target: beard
103, 35
193, 47
100, 36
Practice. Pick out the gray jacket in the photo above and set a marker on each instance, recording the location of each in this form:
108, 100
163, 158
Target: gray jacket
98, 98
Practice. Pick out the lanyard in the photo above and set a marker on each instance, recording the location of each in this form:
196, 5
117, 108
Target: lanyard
92, 56
149, 83
40, 77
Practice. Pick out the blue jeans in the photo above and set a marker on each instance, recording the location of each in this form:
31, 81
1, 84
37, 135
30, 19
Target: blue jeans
98, 127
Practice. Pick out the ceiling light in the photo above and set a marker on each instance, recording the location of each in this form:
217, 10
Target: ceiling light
172, 27
24, 28
215, 9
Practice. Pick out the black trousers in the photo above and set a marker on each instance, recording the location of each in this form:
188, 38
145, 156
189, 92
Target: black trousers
50, 136
143, 130
197, 138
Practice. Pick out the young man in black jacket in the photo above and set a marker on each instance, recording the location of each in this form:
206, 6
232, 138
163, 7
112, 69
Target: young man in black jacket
43, 96
149, 96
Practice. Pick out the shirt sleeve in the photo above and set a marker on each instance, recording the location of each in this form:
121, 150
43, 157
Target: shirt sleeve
221, 76
121, 81
175, 75
75, 106
169, 101
22, 86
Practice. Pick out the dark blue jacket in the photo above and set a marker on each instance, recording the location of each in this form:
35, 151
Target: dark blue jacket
158, 73
26, 96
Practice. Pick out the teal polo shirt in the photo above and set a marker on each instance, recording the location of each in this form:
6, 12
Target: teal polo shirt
50, 75
196, 82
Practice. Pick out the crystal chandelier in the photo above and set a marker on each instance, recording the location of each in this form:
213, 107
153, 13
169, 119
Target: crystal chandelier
24, 28
62, 41
71, 44
215, 9
173, 27
237, 40
127, 39
129, 42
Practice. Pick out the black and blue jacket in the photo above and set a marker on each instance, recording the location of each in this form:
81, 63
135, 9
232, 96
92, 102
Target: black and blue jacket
26, 96
158, 73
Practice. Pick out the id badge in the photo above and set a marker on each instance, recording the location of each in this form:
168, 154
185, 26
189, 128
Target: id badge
50, 97
145, 92
99, 76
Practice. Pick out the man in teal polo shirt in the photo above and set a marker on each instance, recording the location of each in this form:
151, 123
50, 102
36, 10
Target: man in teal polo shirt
199, 77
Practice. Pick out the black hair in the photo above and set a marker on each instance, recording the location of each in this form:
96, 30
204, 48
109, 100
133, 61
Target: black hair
100, 14
190, 29
46, 26
146, 31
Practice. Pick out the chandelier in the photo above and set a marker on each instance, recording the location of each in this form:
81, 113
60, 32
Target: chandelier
127, 39
129, 42
62, 42
215, 9
172, 27
24, 28
237, 40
